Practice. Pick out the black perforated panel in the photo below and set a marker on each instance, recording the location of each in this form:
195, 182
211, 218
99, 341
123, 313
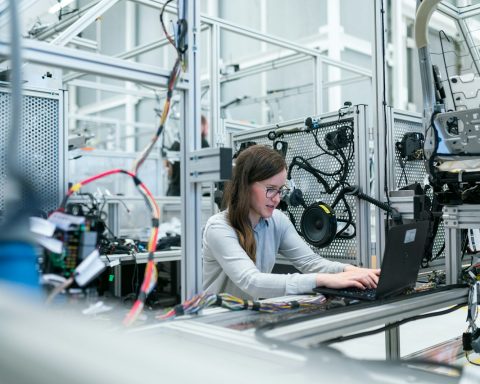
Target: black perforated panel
303, 144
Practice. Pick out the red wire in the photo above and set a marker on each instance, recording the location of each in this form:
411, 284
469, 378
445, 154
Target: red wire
99, 176
131, 315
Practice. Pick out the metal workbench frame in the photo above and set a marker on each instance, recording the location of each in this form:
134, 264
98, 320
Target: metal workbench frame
324, 328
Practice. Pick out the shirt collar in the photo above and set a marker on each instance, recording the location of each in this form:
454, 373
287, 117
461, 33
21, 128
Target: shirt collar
262, 223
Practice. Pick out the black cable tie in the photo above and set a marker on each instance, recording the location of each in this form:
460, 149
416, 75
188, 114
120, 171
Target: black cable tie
245, 304
179, 310
136, 180
169, 94
294, 304
155, 222
142, 296
219, 301
256, 306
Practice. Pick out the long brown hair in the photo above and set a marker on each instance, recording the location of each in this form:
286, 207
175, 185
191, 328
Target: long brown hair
256, 163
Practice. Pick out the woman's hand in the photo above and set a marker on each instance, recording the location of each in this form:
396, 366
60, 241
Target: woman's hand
351, 277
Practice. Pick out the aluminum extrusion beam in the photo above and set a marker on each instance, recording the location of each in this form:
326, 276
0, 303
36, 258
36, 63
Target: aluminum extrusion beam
112, 88
456, 218
462, 216
191, 265
459, 13
83, 22
64, 23
142, 258
256, 35
125, 55
283, 43
86, 43
139, 50
61, 57
392, 343
326, 328
453, 263
210, 165
215, 83
266, 66
469, 11
378, 65
449, 10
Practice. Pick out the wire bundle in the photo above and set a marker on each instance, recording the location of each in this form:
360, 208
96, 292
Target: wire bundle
151, 273
225, 300
180, 64
473, 331
342, 158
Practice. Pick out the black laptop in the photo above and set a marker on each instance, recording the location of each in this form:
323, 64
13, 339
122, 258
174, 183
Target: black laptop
401, 262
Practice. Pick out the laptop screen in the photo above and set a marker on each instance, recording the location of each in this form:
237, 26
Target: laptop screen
402, 258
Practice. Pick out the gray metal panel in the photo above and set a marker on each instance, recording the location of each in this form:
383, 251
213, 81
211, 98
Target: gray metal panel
400, 122
42, 145
356, 250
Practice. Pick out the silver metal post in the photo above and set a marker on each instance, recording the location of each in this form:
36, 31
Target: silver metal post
452, 258
379, 124
191, 190
215, 92
392, 343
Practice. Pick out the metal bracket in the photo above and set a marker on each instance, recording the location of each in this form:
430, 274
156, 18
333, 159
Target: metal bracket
462, 216
209, 165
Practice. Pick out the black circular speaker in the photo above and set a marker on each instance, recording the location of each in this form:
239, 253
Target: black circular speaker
319, 224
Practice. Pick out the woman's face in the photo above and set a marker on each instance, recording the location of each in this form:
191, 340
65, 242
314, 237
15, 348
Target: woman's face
260, 204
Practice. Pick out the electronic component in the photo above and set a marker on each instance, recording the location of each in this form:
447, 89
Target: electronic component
79, 238
76, 141
410, 147
243, 146
312, 123
338, 139
281, 147
319, 224
279, 132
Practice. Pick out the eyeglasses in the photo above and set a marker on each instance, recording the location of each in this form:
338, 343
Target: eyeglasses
270, 192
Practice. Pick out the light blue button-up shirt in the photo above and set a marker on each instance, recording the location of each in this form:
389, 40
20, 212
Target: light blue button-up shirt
227, 267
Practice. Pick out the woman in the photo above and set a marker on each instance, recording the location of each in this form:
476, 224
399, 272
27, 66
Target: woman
240, 244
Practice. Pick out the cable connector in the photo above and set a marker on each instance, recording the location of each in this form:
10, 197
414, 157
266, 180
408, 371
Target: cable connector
467, 342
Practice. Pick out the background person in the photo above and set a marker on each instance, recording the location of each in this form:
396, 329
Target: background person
173, 167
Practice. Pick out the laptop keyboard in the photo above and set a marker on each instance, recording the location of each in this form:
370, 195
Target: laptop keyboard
368, 294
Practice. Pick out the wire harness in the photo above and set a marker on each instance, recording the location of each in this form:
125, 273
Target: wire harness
204, 300
471, 337
151, 273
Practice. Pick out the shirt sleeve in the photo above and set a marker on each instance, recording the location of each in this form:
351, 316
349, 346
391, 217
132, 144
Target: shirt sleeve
224, 246
294, 248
